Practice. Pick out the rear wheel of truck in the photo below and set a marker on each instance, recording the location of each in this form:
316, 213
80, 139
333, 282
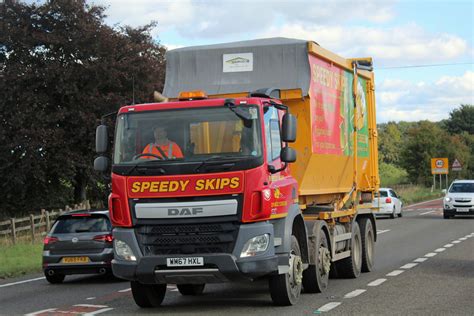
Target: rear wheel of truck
285, 289
191, 289
350, 267
148, 295
368, 244
316, 276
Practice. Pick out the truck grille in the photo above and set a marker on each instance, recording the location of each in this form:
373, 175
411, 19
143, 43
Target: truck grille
187, 238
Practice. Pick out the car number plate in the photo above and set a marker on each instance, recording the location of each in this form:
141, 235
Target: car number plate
462, 209
75, 260
185, 262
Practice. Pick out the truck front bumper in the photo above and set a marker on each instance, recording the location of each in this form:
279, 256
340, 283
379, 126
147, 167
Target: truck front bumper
216, 268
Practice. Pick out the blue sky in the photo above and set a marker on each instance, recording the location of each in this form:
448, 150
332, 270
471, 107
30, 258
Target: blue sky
394, 33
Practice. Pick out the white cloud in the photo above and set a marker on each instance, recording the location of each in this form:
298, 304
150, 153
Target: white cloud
220, 18
402, 45
412, 101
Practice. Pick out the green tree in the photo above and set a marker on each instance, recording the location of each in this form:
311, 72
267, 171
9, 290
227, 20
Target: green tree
62, 68
390, 143
461, 120
428, 140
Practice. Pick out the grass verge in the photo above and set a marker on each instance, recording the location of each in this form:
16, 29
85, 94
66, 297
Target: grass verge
20, 259
416, 193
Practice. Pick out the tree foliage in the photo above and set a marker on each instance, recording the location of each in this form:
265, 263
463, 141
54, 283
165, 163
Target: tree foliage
461, 120
62, 69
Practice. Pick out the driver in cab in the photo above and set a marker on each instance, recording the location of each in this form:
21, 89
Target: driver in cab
162, 148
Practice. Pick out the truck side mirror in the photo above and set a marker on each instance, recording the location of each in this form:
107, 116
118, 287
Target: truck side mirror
288, 129
444, 191
101, 139
101, 164
288, 154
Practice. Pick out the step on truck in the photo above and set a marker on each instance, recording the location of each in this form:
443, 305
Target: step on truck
271, 175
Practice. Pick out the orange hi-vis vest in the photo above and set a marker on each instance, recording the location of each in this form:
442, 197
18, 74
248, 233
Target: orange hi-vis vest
171, 150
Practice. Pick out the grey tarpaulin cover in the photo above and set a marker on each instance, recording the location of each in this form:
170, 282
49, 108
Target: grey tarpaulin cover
238, 67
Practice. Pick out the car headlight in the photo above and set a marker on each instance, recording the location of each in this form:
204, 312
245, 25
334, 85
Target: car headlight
255, 245
448, 199
123, 251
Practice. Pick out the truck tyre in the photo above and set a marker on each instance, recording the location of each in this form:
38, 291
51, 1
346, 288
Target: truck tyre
285, 289
148, 295
350, 267
316, 276
191, 289
55, 278
368, 244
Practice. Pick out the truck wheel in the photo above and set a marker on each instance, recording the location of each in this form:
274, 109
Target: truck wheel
316, 276
285, 289
55, 278
148, 295
368, 244
350, 267
191, 289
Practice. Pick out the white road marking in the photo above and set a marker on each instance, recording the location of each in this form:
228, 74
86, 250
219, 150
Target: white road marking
328, 307
354, 293
90, 305
411, 205
395, 272
174, 290
124, 290
420, 260
431, 254
427, 212
90, 298
41, 311
448, 245
103, 310
456, 242
463, 238
377, 282
440, 249
409, 266
382, 231
21, 282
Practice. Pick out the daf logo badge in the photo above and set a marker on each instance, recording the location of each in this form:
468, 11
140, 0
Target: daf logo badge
184, 211
75, 239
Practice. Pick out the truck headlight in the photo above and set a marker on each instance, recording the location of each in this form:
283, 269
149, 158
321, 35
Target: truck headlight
448, 199
255, 245
123, 251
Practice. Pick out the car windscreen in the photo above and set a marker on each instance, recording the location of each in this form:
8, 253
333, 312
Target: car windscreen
461, 187
79, 224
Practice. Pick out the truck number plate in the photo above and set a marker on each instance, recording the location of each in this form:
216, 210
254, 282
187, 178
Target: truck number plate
463, 209
184, 262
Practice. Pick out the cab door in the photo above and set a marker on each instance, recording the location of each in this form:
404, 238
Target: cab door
282, 186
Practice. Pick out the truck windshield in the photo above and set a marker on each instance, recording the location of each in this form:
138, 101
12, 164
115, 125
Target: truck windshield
187, 135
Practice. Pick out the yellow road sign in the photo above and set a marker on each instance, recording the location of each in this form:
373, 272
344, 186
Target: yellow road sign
439, 166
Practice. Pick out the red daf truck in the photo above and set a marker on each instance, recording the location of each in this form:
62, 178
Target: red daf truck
273, 178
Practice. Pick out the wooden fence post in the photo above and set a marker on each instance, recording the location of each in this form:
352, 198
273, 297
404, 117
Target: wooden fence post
32, 221
12, 221
48, 222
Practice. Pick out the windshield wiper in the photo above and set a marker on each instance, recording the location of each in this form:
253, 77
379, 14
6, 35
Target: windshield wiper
243, 113
221, 161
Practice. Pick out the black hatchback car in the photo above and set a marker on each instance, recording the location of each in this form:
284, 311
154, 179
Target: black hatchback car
80, 242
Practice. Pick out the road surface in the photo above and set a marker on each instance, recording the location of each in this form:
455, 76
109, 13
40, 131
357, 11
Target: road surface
424, 265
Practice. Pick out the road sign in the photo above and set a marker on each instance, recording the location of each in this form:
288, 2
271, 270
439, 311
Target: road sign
439, 166
456, 165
